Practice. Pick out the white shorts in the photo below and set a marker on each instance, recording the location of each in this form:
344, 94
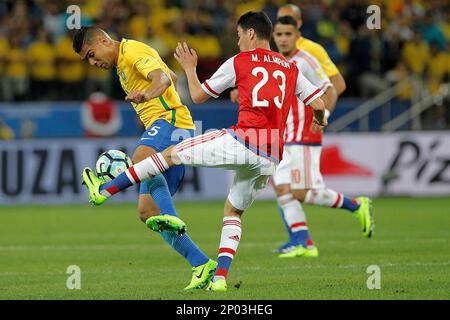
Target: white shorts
300, 167
218, 149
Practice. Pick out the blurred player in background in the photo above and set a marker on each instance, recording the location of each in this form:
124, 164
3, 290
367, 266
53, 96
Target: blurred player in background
319, 196
298, 176
313, 48
150, 87
267, 84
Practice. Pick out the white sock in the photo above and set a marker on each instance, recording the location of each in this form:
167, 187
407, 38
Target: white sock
293, 212
150, 166
324, 197
229, 241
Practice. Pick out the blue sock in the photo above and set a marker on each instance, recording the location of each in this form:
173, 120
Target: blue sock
301, 237
350, 204
186, 247
291, 237
121, 182
159, 190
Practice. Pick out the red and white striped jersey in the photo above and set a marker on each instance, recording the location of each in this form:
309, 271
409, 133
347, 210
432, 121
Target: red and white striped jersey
268, 84
298, 125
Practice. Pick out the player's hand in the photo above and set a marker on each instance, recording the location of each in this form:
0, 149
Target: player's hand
136, 97
234, 95
186, 57
317, 126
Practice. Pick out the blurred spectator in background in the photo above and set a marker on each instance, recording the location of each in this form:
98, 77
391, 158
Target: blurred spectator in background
416, 54
41, 60
412, 40
71, 70
100, 116
15, 80
6, 132
438, 67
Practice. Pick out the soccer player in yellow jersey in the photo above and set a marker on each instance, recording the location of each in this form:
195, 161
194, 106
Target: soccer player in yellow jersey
150, 87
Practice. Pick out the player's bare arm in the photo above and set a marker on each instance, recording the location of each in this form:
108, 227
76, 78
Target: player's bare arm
159, 82
338, 83
329, 98
174, 77
187, 58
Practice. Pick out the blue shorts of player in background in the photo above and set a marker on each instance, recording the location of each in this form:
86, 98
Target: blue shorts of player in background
159, 136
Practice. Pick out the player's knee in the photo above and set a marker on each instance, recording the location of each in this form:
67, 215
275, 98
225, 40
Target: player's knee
230, 211
282, 189
300, 195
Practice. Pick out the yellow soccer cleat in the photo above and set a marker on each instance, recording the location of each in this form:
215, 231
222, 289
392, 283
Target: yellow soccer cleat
365, 216
219, 285
202, 275
301, 251
93, 183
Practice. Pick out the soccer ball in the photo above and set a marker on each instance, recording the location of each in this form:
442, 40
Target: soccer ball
111, 163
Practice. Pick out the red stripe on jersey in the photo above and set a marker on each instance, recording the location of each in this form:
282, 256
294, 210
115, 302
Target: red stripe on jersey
336, 204
309, 242
134, 175
296, 120
210, 89
227, 250
311, 96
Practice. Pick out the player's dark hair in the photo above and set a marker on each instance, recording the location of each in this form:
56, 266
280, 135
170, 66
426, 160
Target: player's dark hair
257, 21
82, 36
287, 20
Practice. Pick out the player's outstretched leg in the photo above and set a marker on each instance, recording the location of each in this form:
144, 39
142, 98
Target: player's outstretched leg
137, 173
360, 207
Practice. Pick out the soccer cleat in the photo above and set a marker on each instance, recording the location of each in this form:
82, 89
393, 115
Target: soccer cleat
202, 275
311, 252
365, 216
286, 247
166, 222
301, 251
93, 183
218, 285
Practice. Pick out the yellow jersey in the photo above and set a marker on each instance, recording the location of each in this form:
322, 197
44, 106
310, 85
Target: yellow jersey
136, 60
320, 54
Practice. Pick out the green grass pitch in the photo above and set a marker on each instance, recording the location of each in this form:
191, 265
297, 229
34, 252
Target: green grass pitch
120, 259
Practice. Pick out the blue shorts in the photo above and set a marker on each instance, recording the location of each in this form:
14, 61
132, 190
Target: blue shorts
159, 136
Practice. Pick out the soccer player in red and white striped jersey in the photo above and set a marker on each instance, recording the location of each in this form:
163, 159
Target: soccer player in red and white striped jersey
298, 176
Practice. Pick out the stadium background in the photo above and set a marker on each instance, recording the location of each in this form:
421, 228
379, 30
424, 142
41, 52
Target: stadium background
389, 134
